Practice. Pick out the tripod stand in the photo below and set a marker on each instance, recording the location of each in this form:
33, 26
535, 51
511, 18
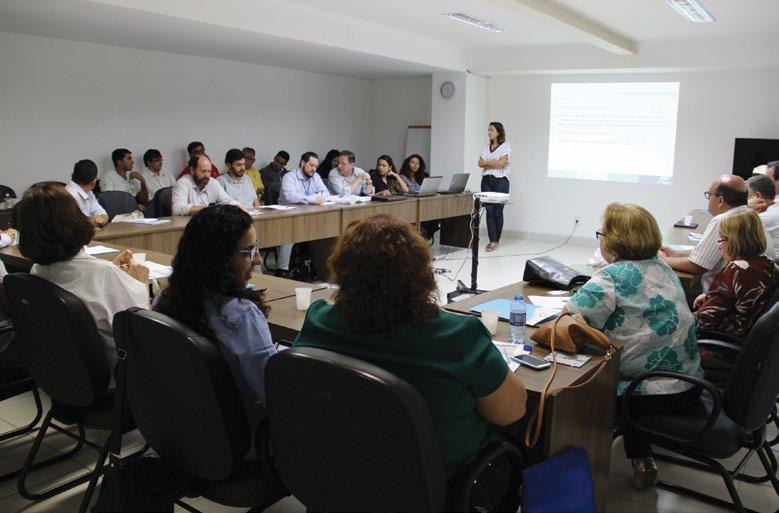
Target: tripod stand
461, 289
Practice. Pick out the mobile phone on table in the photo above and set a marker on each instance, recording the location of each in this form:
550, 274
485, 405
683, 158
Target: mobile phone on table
531, 361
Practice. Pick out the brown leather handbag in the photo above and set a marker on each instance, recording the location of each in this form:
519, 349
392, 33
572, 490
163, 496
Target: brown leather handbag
565, 333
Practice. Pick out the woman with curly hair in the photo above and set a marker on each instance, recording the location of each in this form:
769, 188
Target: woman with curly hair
385, 312
207, 292
638, 302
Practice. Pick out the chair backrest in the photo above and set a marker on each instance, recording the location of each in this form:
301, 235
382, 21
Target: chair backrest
349, 436
182, 395
41, 184
4, 189
58, 339
117, 202
163, 202
751, 390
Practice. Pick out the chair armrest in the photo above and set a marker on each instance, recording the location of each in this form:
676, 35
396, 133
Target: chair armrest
719, 335
719, 344
706, 385
460, 486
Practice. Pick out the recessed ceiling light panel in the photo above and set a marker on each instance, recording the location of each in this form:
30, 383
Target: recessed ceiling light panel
691, 10
475, 22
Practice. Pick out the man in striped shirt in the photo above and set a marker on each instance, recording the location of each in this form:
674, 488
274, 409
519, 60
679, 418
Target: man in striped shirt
727, 195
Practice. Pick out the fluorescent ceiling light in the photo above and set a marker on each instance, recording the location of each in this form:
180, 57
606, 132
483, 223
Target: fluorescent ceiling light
470, 20
691, 10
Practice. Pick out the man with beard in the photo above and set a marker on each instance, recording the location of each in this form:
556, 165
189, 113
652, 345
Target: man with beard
195, 190
236, 183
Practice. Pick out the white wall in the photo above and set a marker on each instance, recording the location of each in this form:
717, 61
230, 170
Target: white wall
714, 109
397, 103
61, 101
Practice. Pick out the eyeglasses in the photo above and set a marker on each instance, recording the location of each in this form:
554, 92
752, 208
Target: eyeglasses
250, 253
720, 241
709, 194
599, 234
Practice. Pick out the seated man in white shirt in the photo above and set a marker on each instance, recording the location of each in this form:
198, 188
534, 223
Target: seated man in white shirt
124, 178
235, 182
82, 182
761, 199
195, 190
772, 172
347, 179
300, 186
727, 195
154, 176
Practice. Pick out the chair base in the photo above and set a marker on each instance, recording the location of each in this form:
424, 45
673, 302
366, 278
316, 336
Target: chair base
713, 466
81, 441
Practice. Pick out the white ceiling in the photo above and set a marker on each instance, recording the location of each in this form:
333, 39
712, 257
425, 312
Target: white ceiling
380, 38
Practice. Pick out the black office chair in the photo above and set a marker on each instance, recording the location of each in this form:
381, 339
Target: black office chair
41, 184
349, 436
65, 356
117, 202
724, 422
6, 191
163, 202
186, 405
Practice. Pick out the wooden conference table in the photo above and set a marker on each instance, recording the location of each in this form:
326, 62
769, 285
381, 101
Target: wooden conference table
680, 237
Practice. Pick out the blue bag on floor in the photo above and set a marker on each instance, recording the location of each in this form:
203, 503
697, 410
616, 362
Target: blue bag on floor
562, 483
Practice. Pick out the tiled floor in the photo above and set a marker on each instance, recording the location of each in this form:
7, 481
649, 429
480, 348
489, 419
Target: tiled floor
502, 267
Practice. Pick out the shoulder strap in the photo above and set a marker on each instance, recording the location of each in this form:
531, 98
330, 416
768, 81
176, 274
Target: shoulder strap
533, 431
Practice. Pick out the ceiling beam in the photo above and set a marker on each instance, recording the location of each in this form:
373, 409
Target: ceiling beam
567, 21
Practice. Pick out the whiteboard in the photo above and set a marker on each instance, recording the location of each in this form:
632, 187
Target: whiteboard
418, 141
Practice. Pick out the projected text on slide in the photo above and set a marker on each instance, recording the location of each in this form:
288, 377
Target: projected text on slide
623, 132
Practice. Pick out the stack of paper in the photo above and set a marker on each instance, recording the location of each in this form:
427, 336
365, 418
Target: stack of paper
158, 271
99, 250
278, 207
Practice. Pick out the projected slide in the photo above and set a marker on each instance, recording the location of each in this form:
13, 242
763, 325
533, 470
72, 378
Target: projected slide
622, 132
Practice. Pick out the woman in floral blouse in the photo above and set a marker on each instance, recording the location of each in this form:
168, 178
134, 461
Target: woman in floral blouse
638, 302
740, 291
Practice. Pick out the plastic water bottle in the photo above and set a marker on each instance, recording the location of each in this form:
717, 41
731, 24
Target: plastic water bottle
517, 319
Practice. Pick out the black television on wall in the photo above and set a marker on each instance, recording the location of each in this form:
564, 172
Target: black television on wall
750, 153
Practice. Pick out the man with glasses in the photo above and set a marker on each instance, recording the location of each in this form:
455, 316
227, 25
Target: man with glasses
726, 195
155, 178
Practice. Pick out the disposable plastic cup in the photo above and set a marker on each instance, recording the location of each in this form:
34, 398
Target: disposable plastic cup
303, 297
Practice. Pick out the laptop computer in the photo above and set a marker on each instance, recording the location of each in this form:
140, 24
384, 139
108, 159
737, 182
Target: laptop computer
457, 185
429, 187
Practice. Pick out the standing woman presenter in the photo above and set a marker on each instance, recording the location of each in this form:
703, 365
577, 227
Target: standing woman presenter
494, 164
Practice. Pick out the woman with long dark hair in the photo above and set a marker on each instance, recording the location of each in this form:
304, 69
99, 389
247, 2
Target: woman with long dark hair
207, 292
494, 162
385, 178
328, 163
413, 171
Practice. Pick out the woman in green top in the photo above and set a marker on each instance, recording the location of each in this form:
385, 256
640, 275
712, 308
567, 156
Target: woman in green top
385, 312
638, 302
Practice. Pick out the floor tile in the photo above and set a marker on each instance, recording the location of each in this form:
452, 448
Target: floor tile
760, 497
20, 410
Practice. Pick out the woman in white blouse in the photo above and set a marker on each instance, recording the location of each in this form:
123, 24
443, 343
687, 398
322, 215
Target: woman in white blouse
52, 233
494, 163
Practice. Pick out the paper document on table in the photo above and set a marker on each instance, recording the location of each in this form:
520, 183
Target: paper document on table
571, 360
557, 302
696, 237
99, 250
348, 200
158, 271
144, 220
277, 207
508, 350
541, 314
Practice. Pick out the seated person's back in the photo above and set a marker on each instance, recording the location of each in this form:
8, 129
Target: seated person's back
385, 313
52, 233
740, 291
